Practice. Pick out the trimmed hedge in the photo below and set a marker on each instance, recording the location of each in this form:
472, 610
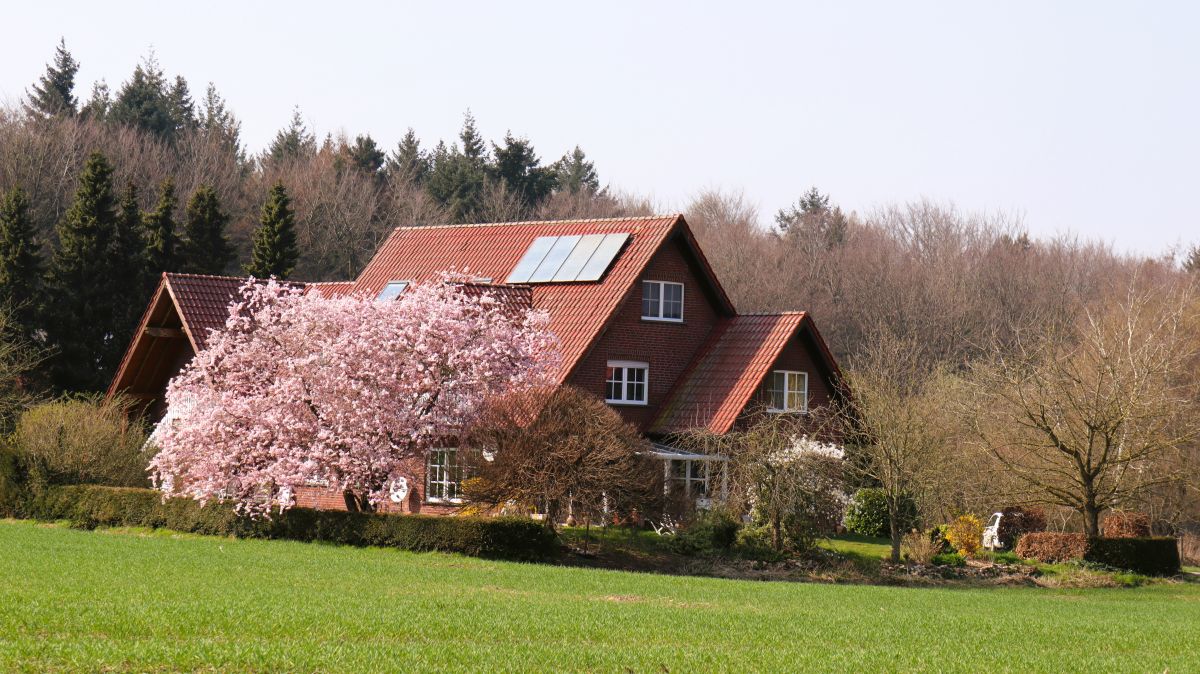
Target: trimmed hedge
867, 513
90, 506
1016, 521
1147, 556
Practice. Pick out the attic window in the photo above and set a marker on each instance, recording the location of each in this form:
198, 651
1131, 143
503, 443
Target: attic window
556, 259
392, 290
662, 301
787, 391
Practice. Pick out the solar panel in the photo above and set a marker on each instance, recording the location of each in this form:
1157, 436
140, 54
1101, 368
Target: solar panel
605, 252
391, 291
578, 258
532, 258
554, 259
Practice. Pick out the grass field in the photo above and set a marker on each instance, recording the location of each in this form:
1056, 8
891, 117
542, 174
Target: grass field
78, 600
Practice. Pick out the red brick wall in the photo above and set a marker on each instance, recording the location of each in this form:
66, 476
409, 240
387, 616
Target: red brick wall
333, 499
800, 355
667, 347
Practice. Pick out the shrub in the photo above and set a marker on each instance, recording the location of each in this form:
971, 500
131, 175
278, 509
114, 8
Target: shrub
919, 548
949, 559
11, 487
755, 543
83, 441
88, 506
1123, 524
1189, 549
1051, 547
1147, 556
965, 533
1016, 521
712, 530
937, 534
867, 513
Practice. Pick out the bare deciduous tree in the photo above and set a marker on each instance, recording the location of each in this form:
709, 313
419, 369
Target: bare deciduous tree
1092, 417
559, 450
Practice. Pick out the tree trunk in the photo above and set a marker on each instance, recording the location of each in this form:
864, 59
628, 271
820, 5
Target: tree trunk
777, 535
894, 527
1091, 519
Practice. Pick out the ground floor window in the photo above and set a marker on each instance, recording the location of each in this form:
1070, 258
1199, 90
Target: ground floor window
443, 476
689, 477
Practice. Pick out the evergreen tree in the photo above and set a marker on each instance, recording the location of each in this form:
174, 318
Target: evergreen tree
812, 218
274, 252
294, 141
204, 249
408, 162
217, 121
365, 155
183, 109
20, 263
144, 102
161, 240
1191, 263
100, 103
81, 316
458, 177
129, 277
54, 93
575, 174
521, 172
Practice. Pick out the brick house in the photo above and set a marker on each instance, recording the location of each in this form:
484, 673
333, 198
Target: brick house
643, 323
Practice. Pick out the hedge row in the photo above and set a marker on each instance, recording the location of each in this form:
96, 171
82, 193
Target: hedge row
1148, 556
90, 506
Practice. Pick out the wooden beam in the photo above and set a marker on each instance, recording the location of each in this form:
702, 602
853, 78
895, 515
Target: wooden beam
170, 333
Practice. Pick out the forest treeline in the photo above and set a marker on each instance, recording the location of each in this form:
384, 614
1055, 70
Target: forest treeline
187, 195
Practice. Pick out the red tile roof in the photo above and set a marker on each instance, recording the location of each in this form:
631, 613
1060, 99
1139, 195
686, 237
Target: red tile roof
203, 302
719, 384
578, 310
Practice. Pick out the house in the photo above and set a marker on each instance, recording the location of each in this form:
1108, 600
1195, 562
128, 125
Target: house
642, 319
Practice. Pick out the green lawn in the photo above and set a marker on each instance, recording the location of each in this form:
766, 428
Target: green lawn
78, 600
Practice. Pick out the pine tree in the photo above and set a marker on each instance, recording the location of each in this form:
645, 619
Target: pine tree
217, 121
521, 172
204, 249
183, 109
100, 103
129, 277
473, 146
458, 177
81, 307
162, 252
294, 141
144, 102
274, 252
408, 162
54, 93
575, 174
813, 219
365, 155
20, 263
1191, 263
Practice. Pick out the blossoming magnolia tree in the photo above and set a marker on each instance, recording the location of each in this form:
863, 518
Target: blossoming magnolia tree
300, 388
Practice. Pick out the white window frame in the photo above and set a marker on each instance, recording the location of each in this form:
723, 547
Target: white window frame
658, 316
625, 366
787, 391
686, 480
446, 482
404, 286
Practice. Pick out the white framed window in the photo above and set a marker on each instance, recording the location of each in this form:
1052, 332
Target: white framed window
689, 477
392, 290
787, 391
443, 476
662, 301
626, 382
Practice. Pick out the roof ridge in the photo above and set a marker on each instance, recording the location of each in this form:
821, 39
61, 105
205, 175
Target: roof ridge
581, 221
225, 278
773, 313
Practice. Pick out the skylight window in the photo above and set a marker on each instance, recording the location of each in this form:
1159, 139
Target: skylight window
567, 258
392, 290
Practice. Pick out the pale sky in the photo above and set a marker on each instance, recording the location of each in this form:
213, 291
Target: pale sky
1083, 117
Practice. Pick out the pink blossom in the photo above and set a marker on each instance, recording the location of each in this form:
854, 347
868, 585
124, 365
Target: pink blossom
300, 389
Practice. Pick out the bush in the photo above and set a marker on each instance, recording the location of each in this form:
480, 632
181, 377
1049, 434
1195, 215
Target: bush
712, 530
949, 559
1016, 521
965, 533
88, 506
1121, 524
1147, 556
12, 491
1051, 547
867, 513
919, 548
82, 441
755, 543
937, 534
